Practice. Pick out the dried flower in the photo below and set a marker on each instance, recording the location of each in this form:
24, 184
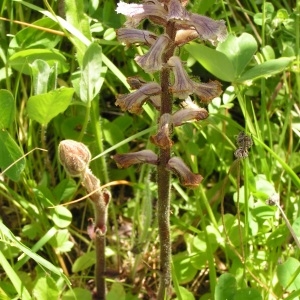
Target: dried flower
162, 138
186, 177
74, 156
128, 159
131, 36
152, 61
135, 13
133, 102
243, 140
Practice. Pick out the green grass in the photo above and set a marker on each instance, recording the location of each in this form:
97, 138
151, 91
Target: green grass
226, 240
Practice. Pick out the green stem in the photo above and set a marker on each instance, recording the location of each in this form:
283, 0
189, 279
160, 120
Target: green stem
100, 169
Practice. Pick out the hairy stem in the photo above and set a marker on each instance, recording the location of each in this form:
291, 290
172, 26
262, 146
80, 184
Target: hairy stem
164, 183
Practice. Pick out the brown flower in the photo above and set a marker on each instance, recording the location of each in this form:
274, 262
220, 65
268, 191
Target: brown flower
162, 138
152, 61
128, 159
186, 177
134, 101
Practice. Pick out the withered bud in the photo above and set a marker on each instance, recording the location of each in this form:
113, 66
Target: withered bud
74, 156
128, 159
186, 177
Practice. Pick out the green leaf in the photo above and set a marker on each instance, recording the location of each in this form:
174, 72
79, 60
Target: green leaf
61, 241
14, 278
226, 287
83, 262
185, 272
185, 294
296, 226
62, 217
265, 69
212, 60
7, 109
30, 37
38, 259
20, 61
116, 292
239, 50
76, 17
247, 294
10, 152
91, 81
45, 288
41, 73
43, 108
289, 274
77, 294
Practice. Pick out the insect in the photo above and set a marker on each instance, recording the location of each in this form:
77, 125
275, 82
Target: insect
244, 142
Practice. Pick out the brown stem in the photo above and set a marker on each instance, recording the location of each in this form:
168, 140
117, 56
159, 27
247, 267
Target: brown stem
164, 182
100, 201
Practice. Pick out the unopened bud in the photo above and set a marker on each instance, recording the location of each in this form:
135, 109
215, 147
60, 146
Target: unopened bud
74, 156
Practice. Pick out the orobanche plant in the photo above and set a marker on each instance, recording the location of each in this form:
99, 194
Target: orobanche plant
177, 27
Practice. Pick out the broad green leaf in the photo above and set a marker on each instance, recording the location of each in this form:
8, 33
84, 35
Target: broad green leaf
41, 73
91, 80
77, 294
185, 294
61, 241
62, 217
239, 50
45, 288
185, 272
116, 292
64, 189
265, 69
247, 294
43, 108
10, 152
289, 274
20, 60
84, 262
212, 60
30, 37
7, 109
226, 287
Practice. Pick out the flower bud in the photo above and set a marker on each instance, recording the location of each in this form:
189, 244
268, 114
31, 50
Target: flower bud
74, 156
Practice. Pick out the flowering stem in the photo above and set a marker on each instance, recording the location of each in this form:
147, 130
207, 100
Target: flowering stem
164, 183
